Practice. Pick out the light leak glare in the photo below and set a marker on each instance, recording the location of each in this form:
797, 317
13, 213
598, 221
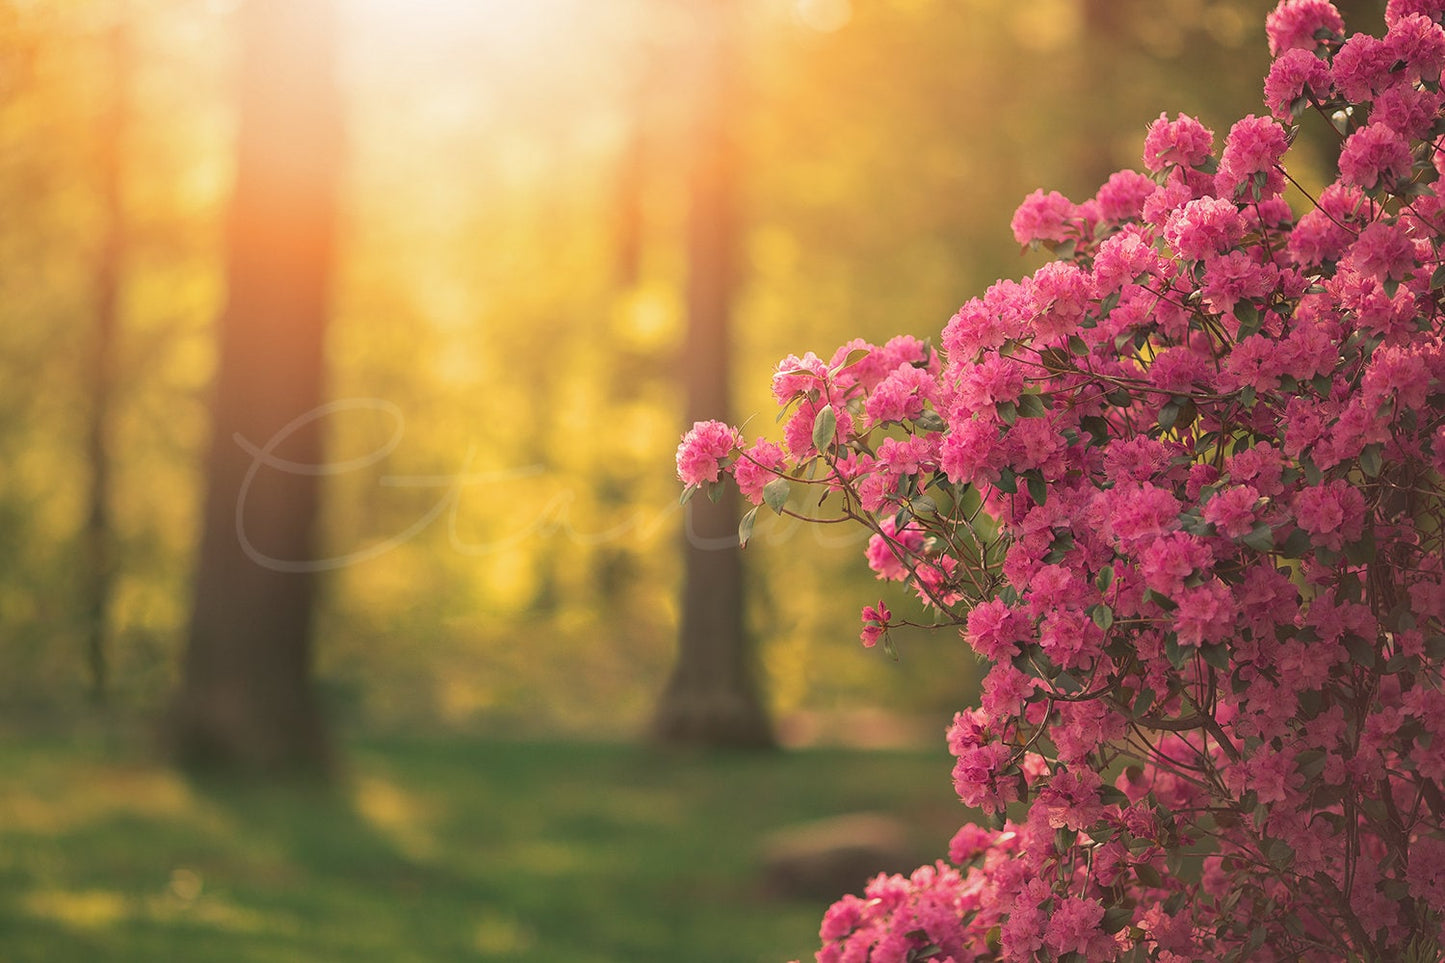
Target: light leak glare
824, 16
514, 23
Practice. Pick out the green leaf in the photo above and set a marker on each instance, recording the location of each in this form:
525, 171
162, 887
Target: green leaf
1249, 320
1116, 918
688, 493
1031, 406
1098, 428
1216, 654
1437, 280
1007, 481
1298, 543
1119, 398
1102, 615
745, 527
923, 503
1169, 414
930, 420
1361, 649
1370, 461
1105, 578
1362, 552
1260, 538
1038, 490
825, 426
1008, 411
775, 494
1077, 345
853, 357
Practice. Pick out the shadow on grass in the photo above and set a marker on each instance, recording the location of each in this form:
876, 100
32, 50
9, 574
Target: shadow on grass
430, 850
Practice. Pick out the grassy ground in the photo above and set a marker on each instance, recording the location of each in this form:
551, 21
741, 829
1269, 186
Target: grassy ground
432, 851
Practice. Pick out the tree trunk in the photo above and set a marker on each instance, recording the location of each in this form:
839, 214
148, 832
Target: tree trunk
246, 701
712, 697
98, 572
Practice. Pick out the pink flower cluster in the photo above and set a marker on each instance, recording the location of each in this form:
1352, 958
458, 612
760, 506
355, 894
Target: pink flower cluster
1184, 489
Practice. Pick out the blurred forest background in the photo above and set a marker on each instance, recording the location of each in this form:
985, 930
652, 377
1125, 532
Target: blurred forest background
500, 537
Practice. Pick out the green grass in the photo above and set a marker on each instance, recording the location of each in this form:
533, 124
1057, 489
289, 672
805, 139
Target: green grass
431, 850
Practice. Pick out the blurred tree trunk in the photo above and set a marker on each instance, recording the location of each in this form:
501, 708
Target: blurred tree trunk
712, 696
98, 571
246, 700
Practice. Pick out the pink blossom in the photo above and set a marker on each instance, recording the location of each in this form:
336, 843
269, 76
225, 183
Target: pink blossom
1397, 10
796, 375
1205, 614
756, 467
1043, 217
1060, 296
1297, 74
1295, 23
1418, 43
1232, 511
1254, 146
702, 449
798, 432
994, 630
1209, 225
1331, 513
1074, 927
1323, 233
1183, 141
875, 623
1375, 156
1167, 561
901, 395
884, 550
1383, 251
1123, 195
1408, 110
1361, 67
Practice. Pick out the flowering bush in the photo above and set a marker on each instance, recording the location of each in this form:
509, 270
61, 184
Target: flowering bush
1183, 489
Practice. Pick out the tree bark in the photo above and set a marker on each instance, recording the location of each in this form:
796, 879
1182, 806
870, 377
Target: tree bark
246, 700
98, 573
712, 696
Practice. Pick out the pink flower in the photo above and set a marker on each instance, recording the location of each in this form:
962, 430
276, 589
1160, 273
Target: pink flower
1254, 146
1397, 10
994, 630
702, 449
797, 375
884, 550
875, 623
798, 432
1297, 74
1060, 294
1074, 927
1123, 195
1383, 251
1184, 142
1231, 511
1205, 614
1209, 225
1418, 43
901, 395
1323, 233
756, 467
1332, 513
1169, 560
1043, 217
1295, 23
1361, 67
1375, 156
